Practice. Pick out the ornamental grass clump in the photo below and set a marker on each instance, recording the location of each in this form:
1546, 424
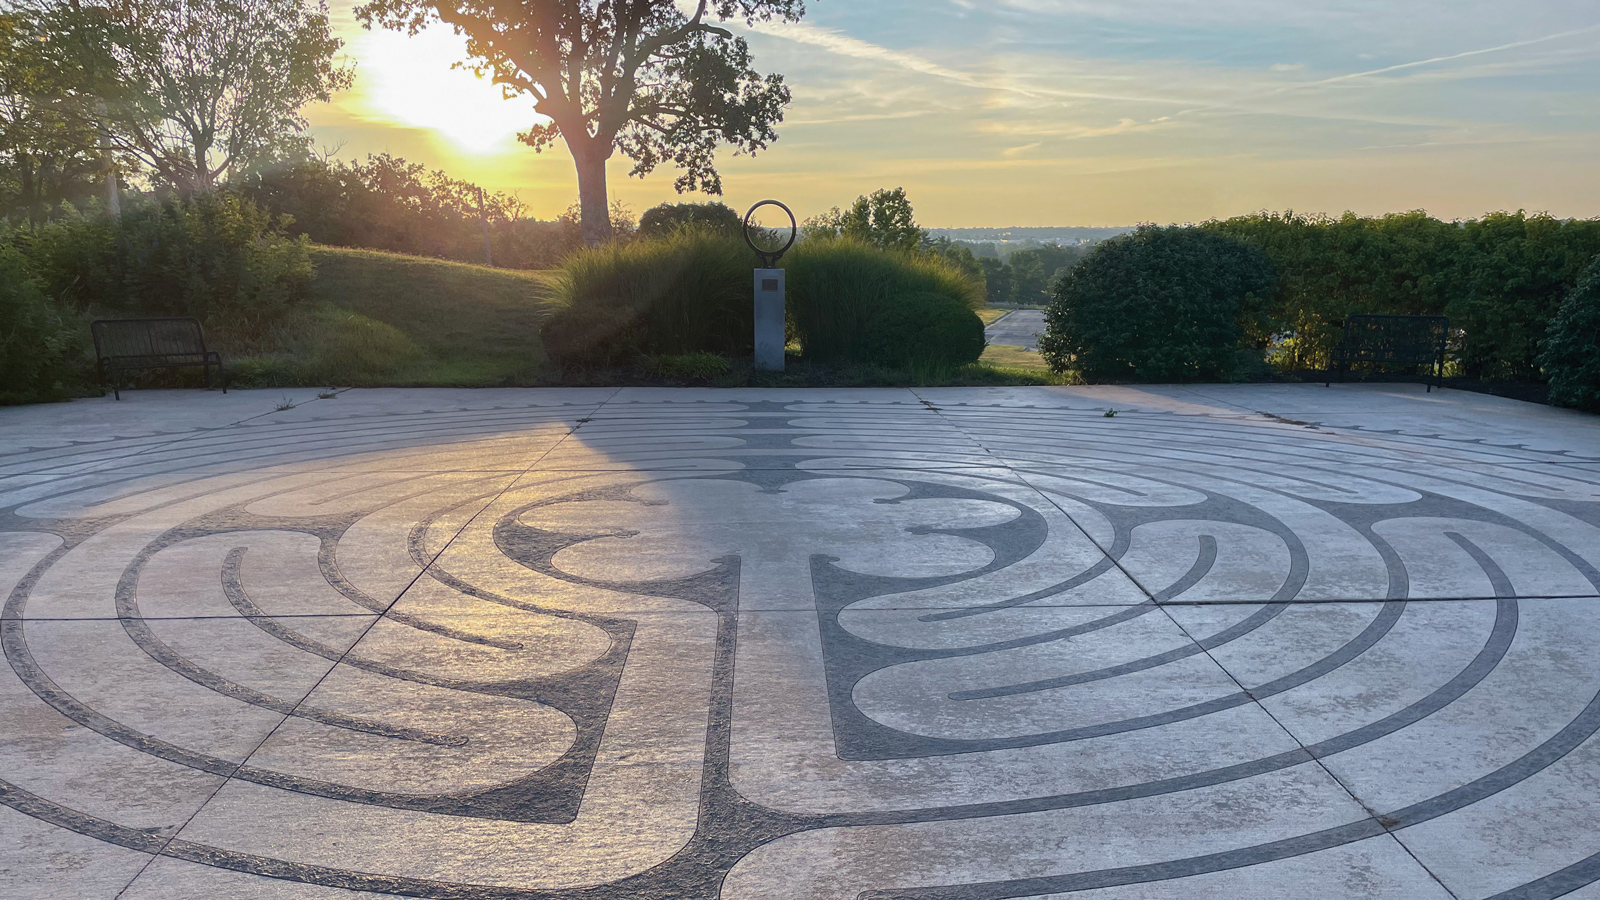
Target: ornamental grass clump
687, 292
848, 301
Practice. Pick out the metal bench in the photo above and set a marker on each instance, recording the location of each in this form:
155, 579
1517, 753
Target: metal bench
1410, 341
122, 345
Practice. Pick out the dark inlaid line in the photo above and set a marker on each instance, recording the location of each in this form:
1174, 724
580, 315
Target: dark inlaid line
1580, 874
153, 647
1488, 657
1574, 734
327, 562
1104, 565
1206, 559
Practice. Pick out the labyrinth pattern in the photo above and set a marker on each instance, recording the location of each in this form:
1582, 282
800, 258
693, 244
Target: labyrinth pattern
805, 647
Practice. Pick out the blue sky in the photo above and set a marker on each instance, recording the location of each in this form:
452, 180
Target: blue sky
1083, 112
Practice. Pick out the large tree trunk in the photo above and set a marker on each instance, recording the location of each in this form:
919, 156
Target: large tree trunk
593, 204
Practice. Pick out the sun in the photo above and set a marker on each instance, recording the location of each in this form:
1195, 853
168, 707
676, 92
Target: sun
409, 81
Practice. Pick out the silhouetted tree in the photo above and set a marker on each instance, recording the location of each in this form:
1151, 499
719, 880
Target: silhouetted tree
882, 219
659, 82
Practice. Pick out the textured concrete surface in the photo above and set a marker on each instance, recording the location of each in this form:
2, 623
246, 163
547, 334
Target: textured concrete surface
959, 644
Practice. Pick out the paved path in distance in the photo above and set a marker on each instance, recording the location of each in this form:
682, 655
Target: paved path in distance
954, 644
1020, 328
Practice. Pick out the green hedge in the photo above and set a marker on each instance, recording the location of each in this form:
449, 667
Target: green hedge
217, 257
853, 302
42, 345
1571, 356
1500, 279
1159, 304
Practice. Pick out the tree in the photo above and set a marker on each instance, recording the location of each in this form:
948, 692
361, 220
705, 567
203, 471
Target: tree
55, 64
1571, 355
641, 76
996, 279
662, 220
958, 255
1028, 278
883, 219
1161, 305
214, 85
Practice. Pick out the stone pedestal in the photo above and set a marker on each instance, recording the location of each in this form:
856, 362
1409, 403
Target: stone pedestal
769, 320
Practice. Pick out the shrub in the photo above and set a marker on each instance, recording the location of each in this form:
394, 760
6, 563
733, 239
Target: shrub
42, 346
1159, 304
692, 365
853, 302
216, 257
1571, 357
669, 217
339, 347
688, 292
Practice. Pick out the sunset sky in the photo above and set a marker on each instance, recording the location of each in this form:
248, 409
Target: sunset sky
1084, 112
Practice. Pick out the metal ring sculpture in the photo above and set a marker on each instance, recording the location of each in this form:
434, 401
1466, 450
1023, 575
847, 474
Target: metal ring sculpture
769, 258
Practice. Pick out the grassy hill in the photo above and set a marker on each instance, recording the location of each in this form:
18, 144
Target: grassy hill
390, 319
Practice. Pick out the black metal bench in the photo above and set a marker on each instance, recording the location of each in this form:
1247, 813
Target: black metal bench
122, 345
1410, 341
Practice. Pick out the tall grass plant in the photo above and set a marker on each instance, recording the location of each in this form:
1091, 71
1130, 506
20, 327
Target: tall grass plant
686, 292
848, 300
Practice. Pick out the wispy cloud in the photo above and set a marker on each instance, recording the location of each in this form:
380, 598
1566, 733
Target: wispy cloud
1467, 54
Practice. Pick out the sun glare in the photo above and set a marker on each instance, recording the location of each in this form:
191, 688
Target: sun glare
409, 81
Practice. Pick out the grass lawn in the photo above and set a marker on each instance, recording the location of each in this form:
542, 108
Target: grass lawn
1010, 357
390, 319
991, 314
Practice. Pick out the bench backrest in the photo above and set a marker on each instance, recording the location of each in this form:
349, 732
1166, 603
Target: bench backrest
1399, 338
148, 338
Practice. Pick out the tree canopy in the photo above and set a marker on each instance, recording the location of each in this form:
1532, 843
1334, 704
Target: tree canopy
214, 85
883, 218
55, 69
661, 82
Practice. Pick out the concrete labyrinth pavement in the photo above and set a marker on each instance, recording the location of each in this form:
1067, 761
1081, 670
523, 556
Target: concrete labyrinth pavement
956, 644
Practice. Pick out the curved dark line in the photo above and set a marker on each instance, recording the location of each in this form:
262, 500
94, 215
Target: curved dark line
1204, 562
1374, 632
37, 807
14, 644
258, 617
1568, 739
1487, 659
1497, 576
1580, 874
329, 565
1202, 565
1104, 565
139, 631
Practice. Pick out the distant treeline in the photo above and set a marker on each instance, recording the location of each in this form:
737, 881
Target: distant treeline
1035, 235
